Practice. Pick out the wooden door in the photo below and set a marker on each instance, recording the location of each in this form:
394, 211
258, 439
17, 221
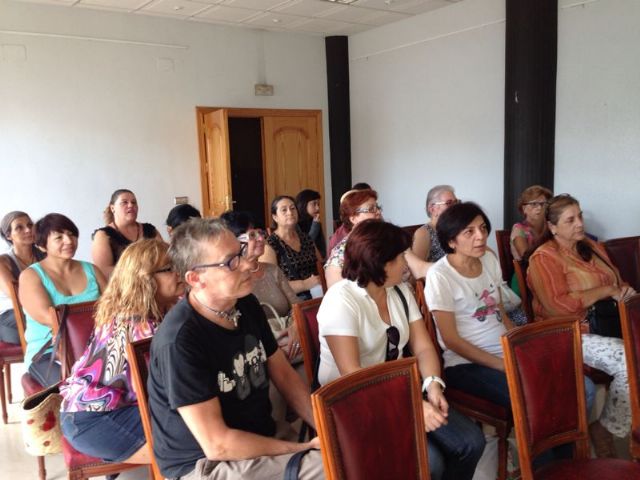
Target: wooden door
292, 155
215, 165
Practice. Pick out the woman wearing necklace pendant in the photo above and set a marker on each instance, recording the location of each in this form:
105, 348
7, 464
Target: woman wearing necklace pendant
122, 228
16, 228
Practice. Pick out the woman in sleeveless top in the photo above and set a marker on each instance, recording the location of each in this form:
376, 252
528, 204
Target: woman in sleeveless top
122, 228
99, 413
17, 230
56, 280
425, 240
290, 249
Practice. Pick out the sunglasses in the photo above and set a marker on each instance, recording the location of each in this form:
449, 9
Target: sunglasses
448, 203
393, 340
232, 264
370, 209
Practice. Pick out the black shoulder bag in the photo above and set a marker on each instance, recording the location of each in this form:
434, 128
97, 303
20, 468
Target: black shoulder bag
604, 316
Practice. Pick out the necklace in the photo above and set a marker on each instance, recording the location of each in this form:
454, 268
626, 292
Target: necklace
232, 315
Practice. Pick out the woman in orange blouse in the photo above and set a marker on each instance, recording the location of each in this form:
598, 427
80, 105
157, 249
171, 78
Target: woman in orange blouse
567, 274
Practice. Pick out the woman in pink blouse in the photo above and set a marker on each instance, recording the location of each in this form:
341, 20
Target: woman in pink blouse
568, 273
99, 414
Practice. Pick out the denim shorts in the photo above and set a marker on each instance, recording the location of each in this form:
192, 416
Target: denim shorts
112, 436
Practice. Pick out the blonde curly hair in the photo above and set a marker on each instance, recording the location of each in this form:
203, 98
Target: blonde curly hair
131, 291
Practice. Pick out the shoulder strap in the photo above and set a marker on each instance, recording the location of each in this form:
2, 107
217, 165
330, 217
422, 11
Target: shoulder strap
611, 267
15, 269
403, 300
292, 469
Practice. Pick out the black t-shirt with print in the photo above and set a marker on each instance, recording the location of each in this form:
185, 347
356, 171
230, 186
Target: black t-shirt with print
194, 360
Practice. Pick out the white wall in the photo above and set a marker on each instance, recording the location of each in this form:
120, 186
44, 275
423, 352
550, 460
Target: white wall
427, 103
80, 118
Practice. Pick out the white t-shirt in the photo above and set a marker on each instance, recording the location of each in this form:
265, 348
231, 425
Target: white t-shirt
474, 301
348, 310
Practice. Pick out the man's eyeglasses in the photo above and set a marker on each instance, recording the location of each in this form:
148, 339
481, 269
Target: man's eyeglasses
232, 264
393, 339
448, 203
536, 204
252, 235
370, 209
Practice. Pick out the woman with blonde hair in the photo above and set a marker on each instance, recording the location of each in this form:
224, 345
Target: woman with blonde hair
99, 412
121, 229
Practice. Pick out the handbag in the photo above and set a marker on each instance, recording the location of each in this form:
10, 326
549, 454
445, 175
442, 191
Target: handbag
510, 300
604, 318
41, 431
278, 324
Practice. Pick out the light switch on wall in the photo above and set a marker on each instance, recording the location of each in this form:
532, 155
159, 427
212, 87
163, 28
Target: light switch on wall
180, 200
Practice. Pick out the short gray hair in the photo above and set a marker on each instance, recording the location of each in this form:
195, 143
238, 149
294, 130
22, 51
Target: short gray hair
434, 193
187, 242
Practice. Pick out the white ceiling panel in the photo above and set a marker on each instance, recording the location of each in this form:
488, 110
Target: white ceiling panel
63, 3
129, 5
174, 8
275, 19
255, 4
228, 14
307, 8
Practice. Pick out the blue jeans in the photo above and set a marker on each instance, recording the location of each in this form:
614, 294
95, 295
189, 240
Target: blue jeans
455, 448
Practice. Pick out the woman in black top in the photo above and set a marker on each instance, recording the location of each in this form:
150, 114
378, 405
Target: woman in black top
308, 205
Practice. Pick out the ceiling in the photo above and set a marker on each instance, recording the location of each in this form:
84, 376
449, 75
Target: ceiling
318, 17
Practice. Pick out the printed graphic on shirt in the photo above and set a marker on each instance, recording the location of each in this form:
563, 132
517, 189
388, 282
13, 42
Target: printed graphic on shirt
248, 370
488, 305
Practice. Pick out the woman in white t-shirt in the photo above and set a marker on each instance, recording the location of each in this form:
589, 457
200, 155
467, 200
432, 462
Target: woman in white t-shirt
462, 290
369, 317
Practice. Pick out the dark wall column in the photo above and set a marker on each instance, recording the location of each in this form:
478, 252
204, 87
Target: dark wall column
530, 99
337, 49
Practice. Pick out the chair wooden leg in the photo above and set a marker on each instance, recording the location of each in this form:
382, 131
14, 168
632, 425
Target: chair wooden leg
3, 400
8, 377
42, 471
503, 449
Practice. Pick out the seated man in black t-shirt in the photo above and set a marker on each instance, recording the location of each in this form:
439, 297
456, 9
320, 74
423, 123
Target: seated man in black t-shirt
211, 362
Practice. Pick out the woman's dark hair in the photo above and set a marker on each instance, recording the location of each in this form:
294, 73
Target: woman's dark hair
274, 206
455, 219
372, 244
237, 222
361, 186
180, 214
351, 202
555, 207
108, 214
302, 199
53, 222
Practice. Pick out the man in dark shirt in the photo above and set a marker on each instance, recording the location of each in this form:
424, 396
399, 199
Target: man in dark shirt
211, 362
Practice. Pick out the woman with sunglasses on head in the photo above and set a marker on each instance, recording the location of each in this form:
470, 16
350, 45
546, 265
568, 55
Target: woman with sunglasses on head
369, 317
16, 228
122, 229
425, 240
56, 280
568, 273
291, 249
99, 412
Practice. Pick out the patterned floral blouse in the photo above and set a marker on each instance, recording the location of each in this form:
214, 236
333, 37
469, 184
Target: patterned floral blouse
436, 252
100, 380
336, 258
296, 265
524, 230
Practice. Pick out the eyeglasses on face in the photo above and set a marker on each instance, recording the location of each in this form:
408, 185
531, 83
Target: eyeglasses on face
252, 235
536, 204
393, 339
448, 203
232, 264
370, 209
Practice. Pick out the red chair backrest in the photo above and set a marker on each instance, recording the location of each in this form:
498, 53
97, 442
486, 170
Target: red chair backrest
625, 255
361, 432
630, 322
78, 326
305, 315
503, 241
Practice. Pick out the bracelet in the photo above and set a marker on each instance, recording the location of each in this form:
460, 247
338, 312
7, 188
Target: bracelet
427, 381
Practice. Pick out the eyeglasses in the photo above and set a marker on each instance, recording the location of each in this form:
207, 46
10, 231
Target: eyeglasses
252, 235
393, 339
370, 209
448, 203
536, 204
167, 269
232, 264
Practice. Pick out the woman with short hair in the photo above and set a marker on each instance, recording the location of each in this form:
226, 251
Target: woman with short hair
532, 204
56, 280
369, 317
122, 228
180, 214
426, 245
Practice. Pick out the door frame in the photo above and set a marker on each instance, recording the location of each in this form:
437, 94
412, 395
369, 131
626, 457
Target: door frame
254, 113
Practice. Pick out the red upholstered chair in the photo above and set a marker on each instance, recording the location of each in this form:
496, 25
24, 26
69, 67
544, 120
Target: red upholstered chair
477, 408
630, 321
361, 432
305, 315
75, 323
138, 357
625, 255
543, 361
10, 353
323, 279
504, 254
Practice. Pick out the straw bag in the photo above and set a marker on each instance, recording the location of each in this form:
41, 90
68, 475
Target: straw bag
41, 431
278, 324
